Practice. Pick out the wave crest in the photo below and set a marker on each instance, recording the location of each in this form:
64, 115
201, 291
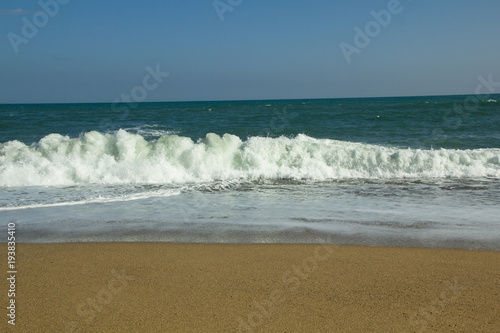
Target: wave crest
123, 158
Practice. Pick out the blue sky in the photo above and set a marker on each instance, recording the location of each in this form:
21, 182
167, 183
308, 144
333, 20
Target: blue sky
97, 51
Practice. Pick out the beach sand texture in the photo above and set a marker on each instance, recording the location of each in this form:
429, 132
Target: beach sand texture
161, 287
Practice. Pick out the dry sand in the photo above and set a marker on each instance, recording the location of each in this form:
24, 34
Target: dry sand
143, 287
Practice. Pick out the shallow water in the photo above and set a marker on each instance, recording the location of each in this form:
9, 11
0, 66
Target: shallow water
362, 171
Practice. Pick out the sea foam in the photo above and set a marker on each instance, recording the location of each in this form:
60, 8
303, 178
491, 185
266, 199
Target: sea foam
125, 158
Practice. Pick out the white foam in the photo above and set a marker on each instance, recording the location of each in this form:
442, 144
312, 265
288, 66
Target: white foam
125, 158
100, 199
149, 131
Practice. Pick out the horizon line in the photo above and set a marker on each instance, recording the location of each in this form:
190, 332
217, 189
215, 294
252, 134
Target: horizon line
240, 100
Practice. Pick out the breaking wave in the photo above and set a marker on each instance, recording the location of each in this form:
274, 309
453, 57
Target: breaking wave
126, 158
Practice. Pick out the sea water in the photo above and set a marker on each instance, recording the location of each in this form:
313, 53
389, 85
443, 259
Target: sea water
408, 171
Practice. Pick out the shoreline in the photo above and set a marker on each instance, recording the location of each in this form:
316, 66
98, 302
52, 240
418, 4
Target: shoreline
173, 287
59, 233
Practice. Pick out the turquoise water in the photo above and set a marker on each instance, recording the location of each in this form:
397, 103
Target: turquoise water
414, 171
416, 122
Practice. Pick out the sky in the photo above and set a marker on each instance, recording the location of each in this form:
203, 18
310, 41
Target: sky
74, 51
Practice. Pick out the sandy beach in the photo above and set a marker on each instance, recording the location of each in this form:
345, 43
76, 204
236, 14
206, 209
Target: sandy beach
161, 287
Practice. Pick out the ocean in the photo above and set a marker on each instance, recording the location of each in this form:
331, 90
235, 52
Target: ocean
405, 171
